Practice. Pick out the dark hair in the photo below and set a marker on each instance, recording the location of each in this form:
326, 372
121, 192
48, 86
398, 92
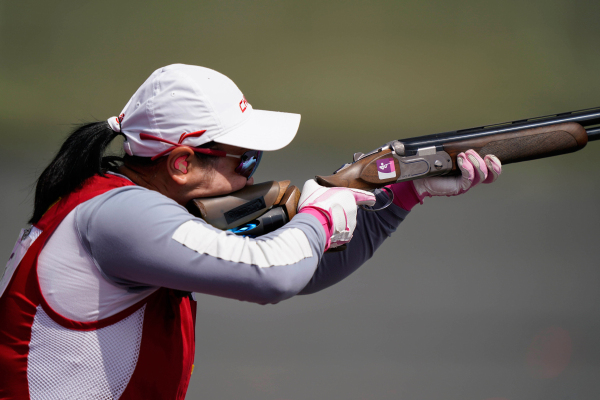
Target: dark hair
79, 157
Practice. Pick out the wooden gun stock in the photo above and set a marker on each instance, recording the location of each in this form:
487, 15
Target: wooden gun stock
247, 204
361, 174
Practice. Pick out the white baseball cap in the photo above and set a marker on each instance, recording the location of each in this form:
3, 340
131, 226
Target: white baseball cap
179, 99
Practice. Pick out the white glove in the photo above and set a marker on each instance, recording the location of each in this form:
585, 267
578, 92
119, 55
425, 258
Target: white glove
474, 170
338, 206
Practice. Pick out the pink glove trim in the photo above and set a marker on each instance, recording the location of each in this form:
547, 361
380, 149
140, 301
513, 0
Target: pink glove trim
405, 195
320, 215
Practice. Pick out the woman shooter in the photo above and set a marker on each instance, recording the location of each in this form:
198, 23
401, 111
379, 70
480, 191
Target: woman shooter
96, 299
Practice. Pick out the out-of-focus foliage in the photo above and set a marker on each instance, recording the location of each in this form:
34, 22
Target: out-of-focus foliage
360, 73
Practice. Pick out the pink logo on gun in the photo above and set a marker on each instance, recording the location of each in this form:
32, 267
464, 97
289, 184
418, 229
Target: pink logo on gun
386, 169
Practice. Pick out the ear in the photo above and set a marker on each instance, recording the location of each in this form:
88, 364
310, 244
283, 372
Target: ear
181, 164
178, 163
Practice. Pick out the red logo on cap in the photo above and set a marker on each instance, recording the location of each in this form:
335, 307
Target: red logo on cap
243, 104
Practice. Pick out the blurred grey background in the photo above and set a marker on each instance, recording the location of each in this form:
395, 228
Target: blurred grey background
491, 295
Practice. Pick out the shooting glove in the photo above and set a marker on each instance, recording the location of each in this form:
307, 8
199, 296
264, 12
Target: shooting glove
474, 170
336, 208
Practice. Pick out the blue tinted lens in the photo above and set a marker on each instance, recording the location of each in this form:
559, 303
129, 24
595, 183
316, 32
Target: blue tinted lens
248, 163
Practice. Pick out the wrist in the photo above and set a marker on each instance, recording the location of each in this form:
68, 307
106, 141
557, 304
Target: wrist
323, 219
406, 195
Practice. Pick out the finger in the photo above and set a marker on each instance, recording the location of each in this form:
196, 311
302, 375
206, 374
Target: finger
479, 166
362, 197
494, 167
467, 171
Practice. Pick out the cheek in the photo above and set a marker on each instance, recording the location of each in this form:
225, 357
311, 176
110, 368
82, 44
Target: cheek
227, 177
237, 182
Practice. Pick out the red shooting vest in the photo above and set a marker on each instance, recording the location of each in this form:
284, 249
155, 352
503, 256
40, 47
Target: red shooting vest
166, 353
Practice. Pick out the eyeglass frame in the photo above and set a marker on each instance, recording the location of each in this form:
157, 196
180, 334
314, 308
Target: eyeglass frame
209, 152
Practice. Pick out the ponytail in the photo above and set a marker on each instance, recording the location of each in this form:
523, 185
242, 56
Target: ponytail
80, 157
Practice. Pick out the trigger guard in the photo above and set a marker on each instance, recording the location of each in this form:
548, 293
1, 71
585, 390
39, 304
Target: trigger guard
386, 205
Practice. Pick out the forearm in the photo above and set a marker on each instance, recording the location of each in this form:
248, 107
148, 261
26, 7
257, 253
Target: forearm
162, 245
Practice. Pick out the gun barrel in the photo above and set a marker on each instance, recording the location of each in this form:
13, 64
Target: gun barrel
593, 134
586, 118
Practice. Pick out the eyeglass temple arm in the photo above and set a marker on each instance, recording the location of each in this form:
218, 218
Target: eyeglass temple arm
210, 152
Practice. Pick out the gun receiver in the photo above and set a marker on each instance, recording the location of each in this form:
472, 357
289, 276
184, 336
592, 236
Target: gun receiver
419, 157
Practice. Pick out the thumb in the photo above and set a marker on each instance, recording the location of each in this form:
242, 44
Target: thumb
310, 187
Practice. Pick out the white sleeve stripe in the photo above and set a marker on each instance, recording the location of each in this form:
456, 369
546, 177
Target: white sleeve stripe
289, 247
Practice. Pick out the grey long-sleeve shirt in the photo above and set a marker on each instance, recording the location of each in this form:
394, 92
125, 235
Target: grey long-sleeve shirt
138, 239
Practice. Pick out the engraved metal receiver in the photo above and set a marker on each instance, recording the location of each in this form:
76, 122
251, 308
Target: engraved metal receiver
389, 164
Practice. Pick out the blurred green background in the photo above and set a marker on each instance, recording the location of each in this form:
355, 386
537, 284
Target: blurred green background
359, 72
451, 306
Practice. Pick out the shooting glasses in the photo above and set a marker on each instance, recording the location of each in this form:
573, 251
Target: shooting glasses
248, 161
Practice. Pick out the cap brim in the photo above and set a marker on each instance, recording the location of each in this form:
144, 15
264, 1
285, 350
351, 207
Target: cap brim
265, 130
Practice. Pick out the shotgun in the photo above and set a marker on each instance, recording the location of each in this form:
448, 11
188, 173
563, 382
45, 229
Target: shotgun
262, 208
431, 155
